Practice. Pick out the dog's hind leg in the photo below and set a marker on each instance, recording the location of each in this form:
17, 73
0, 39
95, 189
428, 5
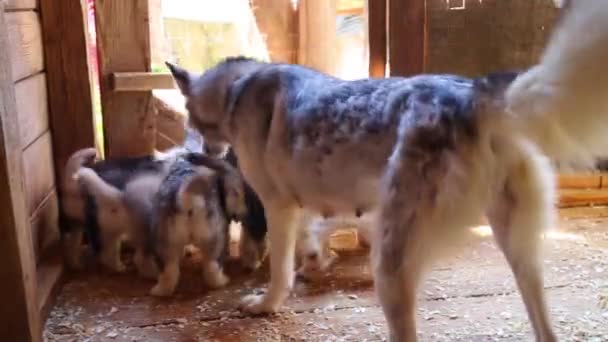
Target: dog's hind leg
518, 217
282, 230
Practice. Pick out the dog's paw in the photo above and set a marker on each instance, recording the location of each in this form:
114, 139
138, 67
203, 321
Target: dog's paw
161, 291
258, 304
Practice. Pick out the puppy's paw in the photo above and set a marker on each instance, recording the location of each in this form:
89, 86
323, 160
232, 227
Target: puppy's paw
161, 291
258, 304
218, 280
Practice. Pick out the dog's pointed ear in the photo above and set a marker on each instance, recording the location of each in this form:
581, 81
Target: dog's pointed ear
183, 78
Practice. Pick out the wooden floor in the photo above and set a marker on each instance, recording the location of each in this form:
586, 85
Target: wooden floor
469, 297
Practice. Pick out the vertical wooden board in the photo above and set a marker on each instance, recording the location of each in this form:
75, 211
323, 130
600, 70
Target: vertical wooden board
277, 21
123, 43
38, 171
68, 78
18, 312
25, 44
19, 5
32, 108
317, 34
45, 231
376, 28
407, 37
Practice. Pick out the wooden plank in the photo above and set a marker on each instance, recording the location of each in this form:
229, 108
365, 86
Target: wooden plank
19, 311
123, 43
25, 44
50, 274
376, 26
576, 198
32, 108
579, 181
44, 222
141, 81
407, 37
39, 174
21, 5
317, 34
278, 23
68, 78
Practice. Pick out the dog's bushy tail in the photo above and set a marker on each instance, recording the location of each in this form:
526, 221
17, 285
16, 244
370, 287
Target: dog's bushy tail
562, 103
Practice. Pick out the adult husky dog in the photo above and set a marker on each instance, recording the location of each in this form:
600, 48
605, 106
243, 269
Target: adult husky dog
433, 153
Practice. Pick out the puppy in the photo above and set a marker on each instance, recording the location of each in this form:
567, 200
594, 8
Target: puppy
188, 209
312, 246
102, 219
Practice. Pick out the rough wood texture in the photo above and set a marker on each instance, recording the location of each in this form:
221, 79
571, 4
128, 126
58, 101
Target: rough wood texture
488, 35
278, 22
377, 37
123, 42
579, 181
32, 108
578, 198
170, 124
68, 77
141, 81
19, 311
18, 5
50, 273
45, 231
38, 171
407, 37
25, 44
317, 34
470, 296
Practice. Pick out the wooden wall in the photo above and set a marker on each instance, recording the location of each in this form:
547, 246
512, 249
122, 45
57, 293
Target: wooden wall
29, 76
486, 36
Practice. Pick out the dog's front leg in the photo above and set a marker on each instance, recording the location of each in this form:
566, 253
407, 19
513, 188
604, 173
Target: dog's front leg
282, 230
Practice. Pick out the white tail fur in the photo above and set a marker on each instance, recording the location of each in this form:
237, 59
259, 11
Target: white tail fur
101, 190
562, 103
76, 161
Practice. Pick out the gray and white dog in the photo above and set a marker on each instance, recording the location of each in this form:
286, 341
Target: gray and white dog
433, 153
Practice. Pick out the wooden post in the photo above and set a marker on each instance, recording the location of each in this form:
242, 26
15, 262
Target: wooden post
407, 37
317, 34
376, 28
123, 43
277, 21
19, 310
68, 78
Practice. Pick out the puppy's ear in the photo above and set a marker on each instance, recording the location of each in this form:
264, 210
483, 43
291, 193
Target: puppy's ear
183, 78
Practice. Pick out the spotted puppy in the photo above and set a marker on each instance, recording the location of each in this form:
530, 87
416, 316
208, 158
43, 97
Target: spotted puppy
188, 210
102, 219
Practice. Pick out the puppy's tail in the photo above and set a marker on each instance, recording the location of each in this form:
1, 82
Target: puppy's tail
92, 184
80, 158
562, 103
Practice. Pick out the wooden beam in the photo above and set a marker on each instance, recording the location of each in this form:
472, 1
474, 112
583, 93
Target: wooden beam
407, 37
68, 78
123, 43
376, 26
278, 22
317, 34
19, 310
141, 81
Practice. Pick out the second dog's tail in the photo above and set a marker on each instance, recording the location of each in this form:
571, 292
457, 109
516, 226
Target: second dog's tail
562, 103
